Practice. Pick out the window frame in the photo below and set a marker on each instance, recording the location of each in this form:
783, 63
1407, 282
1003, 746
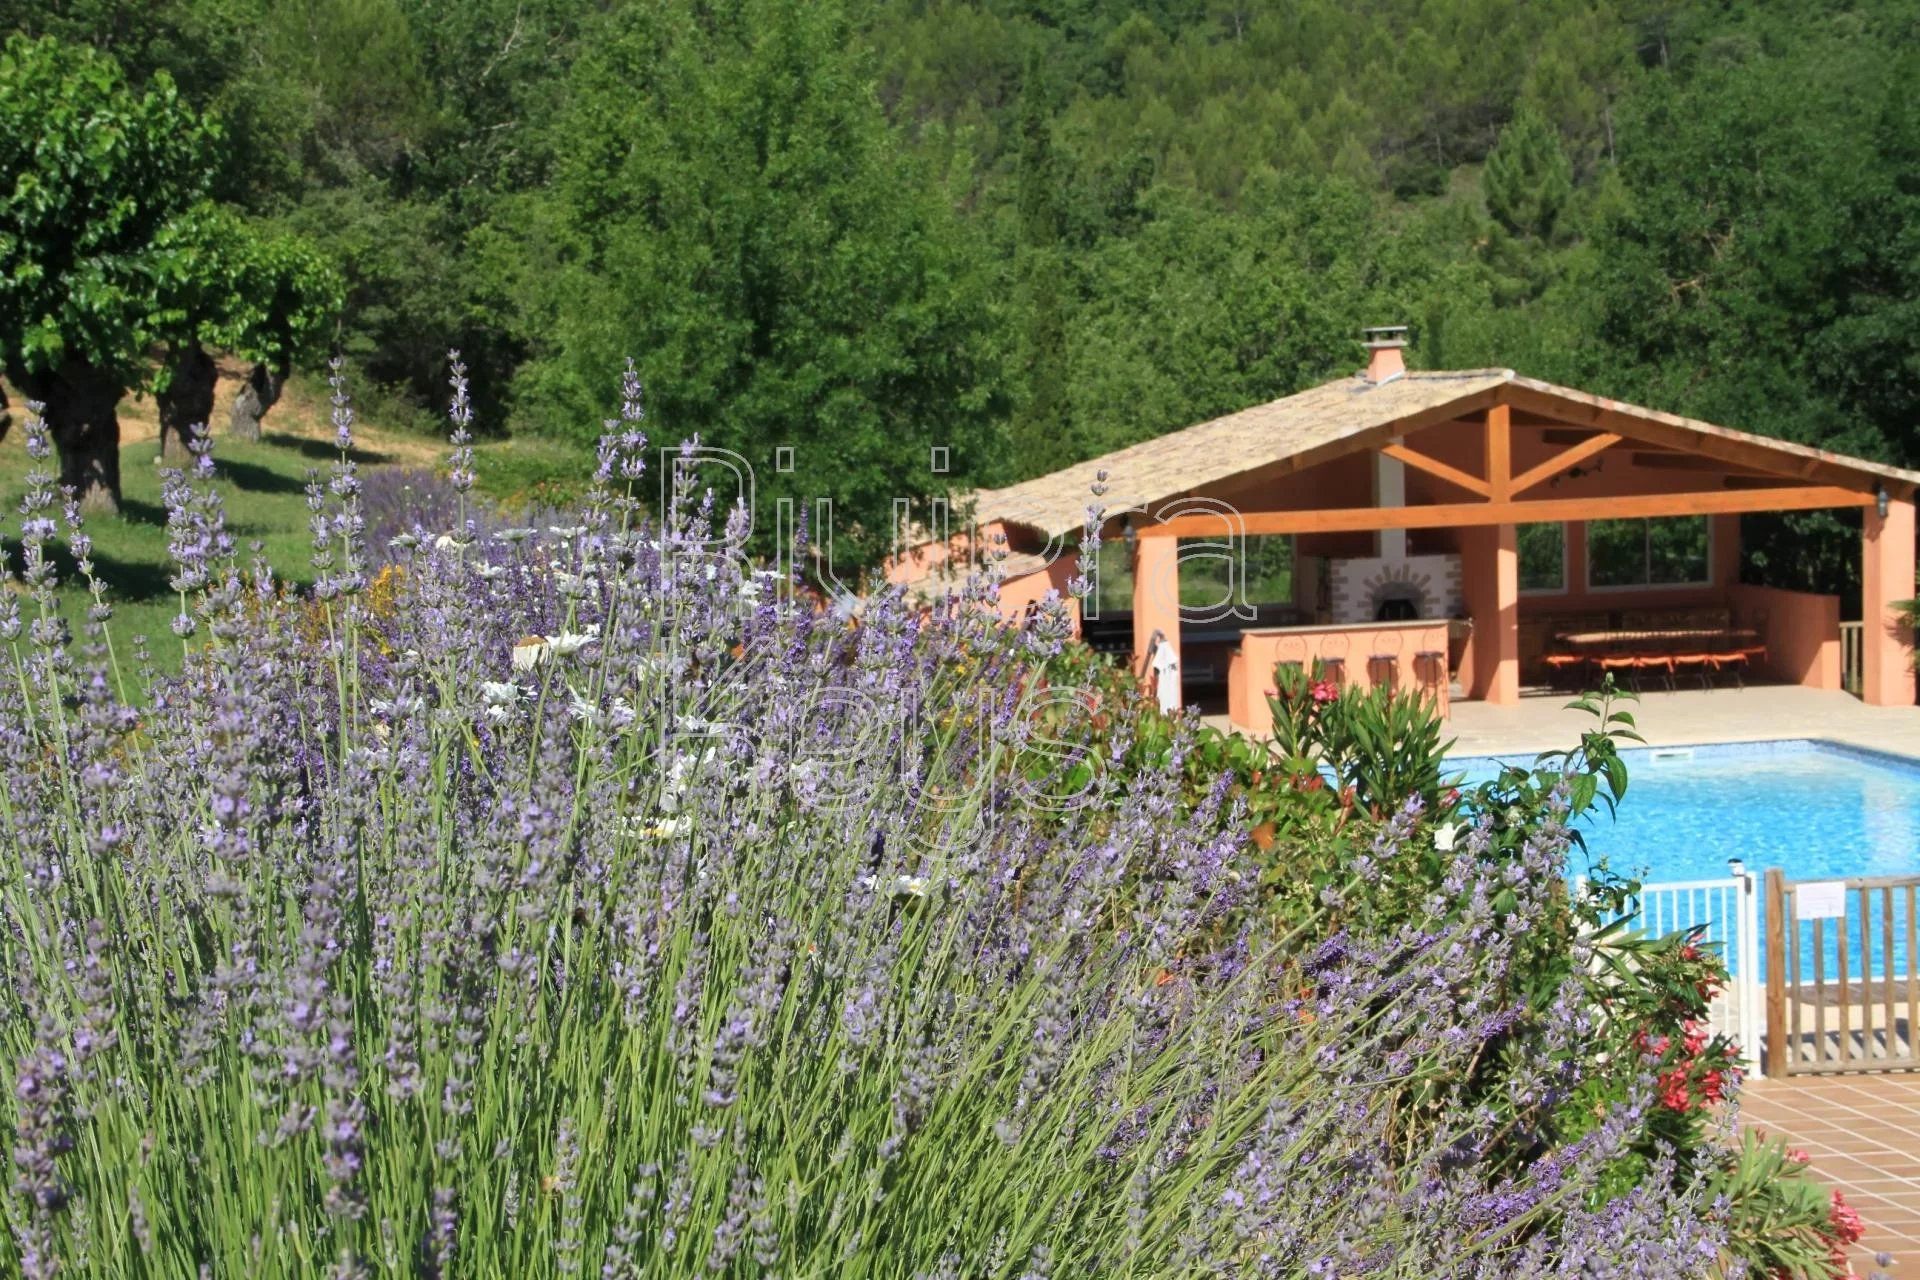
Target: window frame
1593, 588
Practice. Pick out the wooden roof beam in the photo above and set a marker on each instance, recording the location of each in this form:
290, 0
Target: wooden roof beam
1538, 510
1746, 453
1434, 467
1387, 432
1564, 459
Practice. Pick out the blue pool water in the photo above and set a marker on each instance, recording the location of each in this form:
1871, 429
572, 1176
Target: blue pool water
1816, 810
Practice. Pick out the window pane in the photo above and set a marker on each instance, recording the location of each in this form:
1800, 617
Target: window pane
1617, 553
1116, 577
1261, 572
1207, 578
1677, 550
1543, 557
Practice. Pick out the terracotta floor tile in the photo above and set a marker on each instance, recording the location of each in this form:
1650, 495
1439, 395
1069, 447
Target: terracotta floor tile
1863, 1134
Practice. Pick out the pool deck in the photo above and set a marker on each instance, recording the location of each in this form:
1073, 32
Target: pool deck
1862, 1131
1691, 717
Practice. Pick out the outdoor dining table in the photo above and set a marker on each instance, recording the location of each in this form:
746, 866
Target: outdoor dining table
1723, 637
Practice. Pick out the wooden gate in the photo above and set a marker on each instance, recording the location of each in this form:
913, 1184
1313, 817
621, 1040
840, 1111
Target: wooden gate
1842, 993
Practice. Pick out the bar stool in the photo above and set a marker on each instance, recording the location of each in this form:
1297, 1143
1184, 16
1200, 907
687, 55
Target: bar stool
1383, 665
1430, 671
1333, 660
1291, 652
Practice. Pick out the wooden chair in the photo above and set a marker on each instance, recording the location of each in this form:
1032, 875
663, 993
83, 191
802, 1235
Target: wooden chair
1333, 659
1621, 661
1563, 669
1660, 663
1291, 652
1430, 672
1699, 664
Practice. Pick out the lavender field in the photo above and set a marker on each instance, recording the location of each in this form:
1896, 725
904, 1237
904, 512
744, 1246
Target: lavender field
581, 899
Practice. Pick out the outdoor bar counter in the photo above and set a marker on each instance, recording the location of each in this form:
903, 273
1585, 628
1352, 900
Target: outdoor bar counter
1362, 653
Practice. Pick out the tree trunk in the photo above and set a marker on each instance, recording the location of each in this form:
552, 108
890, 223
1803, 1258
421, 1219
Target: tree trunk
187, 402
257, 395
82, 416
6, 418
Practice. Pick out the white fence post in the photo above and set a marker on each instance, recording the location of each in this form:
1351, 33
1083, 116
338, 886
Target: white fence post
1726, 910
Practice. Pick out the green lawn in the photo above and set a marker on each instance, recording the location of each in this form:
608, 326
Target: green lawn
264, 489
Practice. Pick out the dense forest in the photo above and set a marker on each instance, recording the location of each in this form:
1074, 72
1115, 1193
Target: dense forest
1032, 231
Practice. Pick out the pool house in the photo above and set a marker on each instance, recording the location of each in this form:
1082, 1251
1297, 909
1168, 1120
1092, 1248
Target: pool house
1466, 533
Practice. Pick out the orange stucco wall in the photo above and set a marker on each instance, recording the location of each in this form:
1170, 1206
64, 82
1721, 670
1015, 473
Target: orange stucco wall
1801, 631
1250, 674
1017, 592
1886, 643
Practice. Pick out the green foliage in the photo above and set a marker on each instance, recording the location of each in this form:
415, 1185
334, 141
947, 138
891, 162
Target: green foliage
738, 219
264, 295
1044, 230
1782, 1218
1528, 179
98, 177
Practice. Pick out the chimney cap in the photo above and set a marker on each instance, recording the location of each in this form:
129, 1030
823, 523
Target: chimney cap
1387, 335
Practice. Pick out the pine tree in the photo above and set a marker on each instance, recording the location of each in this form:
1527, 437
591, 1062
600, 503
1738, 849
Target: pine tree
1528, 178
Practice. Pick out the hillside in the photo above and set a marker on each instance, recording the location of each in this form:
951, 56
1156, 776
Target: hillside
1033, 231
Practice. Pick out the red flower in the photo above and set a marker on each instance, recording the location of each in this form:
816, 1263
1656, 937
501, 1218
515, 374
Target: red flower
1846, 1223
1323, 691
1674, 1093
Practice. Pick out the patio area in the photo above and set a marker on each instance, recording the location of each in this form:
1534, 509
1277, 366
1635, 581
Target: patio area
1863, 1134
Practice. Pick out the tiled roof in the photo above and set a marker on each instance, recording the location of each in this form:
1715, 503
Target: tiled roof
1318, 423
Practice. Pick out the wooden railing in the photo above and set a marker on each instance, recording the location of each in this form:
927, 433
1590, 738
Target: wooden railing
1852, 636
1842, 992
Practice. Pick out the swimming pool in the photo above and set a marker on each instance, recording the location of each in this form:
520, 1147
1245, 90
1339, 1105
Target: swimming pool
1814, 809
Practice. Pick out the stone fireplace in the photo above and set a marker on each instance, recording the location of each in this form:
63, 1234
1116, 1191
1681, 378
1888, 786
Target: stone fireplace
1380, 588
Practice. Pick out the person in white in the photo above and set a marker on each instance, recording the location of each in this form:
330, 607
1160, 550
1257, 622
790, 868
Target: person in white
1166, 676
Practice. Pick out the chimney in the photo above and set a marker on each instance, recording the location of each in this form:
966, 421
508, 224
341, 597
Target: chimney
1384, 345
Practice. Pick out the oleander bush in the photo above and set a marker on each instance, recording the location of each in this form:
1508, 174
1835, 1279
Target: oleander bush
583, 899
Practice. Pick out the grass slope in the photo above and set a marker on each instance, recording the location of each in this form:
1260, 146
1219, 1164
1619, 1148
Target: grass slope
264, 488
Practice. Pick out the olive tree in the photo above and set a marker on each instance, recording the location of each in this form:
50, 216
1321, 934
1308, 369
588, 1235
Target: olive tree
94, 181
261, 294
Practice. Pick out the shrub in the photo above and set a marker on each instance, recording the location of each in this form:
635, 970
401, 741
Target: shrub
593, 904
1318, 810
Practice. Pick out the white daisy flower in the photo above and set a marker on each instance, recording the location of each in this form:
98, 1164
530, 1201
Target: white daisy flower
529, 652
500, 693
568, 643
516, 534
